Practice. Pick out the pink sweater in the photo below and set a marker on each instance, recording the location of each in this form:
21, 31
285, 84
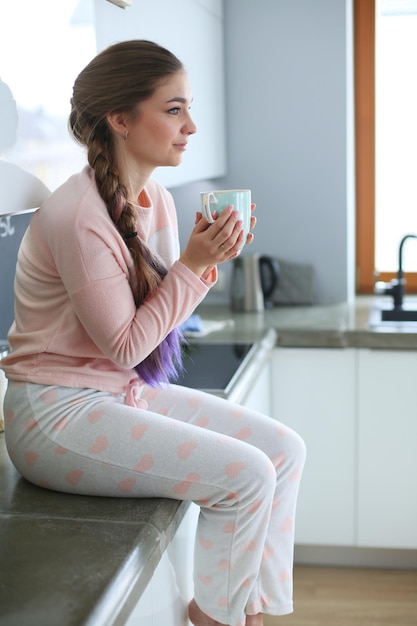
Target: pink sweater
76, 323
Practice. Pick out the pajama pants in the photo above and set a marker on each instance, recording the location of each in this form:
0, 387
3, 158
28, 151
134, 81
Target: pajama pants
240, 467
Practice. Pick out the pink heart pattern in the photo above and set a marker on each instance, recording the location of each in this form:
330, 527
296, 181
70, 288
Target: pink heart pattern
74, 477
186, 449
30, 457
127, 485
145, 464
100, 444
233, 469
138, 431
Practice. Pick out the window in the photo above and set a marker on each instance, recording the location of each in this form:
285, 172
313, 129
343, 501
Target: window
386, 139
43, 47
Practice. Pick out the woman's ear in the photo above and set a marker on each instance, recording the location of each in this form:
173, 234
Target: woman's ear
117, 122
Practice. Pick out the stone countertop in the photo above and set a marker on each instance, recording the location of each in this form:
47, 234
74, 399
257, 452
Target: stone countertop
344, 325
76, 560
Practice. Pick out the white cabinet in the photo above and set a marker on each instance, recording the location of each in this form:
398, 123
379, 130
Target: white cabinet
314, 393
259, 396
387, 452
194, 33
357, 412
161, 604
165, 600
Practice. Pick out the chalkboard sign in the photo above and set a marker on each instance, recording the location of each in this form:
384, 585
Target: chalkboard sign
12, 229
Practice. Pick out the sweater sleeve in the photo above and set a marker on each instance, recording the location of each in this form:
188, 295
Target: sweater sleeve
127, 335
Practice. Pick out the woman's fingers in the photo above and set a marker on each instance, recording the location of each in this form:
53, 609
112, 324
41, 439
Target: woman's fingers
226, 226
224, 238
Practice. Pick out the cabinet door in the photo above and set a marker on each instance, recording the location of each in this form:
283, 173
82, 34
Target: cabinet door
313, 392
387, 402
259, 397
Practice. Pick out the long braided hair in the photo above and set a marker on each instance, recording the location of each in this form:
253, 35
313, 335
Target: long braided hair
118, 79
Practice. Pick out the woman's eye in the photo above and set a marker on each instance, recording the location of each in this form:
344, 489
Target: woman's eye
174, 111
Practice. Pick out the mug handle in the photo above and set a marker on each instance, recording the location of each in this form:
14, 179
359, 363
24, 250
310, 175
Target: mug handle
208, 199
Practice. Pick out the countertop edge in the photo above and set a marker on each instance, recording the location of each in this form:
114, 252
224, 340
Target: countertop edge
126, 588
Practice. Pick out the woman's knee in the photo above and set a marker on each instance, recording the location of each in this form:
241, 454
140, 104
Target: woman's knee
290, 460
261, 473
297, 447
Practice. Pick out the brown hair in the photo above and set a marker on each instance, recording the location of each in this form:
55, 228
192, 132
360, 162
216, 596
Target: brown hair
118, 79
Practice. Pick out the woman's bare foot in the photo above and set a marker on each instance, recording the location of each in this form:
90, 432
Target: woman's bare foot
198, 618
254, 620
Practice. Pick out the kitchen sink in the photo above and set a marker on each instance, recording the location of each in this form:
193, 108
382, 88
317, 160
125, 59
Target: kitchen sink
399, 315
399, 311
384, 313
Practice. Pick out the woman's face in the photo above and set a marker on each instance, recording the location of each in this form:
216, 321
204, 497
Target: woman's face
159, 133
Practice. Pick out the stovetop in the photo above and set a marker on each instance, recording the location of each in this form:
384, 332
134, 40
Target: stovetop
212, 366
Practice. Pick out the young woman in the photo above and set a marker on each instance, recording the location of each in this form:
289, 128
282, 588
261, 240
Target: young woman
100, 292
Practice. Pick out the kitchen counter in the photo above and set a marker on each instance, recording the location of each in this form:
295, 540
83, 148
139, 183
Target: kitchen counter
77, 560
327, 326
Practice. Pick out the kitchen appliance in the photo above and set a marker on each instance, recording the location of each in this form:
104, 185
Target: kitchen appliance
254, 279
213, 366
226, 369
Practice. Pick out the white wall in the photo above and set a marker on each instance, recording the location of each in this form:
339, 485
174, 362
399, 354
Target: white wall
290, 132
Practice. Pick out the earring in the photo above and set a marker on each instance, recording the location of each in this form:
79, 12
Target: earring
125, 134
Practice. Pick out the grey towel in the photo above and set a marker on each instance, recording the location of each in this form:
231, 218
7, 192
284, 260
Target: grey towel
295, 284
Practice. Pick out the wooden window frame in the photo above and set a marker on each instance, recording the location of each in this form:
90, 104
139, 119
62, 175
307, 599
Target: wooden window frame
364, 67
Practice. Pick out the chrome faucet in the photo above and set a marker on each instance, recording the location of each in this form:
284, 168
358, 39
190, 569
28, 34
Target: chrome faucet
396, 286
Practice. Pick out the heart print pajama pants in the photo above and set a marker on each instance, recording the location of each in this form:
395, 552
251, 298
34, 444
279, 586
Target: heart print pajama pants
240, 467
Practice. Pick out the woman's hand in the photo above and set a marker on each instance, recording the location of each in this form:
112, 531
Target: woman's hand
250, 236
210, 244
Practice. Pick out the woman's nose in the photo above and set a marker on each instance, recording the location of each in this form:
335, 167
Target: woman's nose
190, 127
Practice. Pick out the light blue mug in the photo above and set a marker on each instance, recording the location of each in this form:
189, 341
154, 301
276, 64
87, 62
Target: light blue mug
212, 201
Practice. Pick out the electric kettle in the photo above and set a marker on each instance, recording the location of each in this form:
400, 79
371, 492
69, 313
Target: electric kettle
254, 278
